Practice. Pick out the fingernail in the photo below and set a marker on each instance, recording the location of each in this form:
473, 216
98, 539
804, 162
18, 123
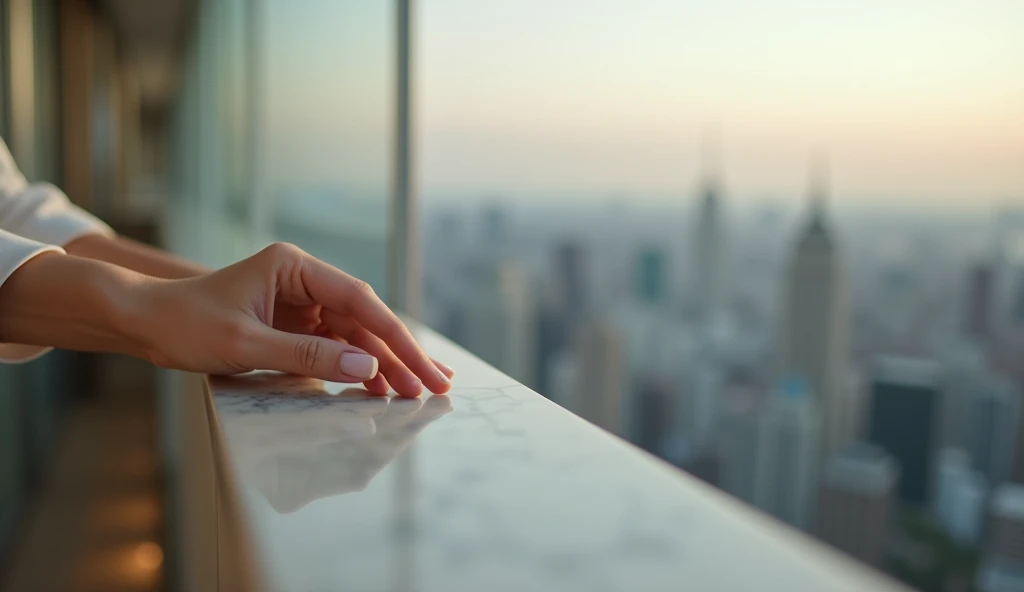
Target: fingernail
443, 378
445, 369
362, 366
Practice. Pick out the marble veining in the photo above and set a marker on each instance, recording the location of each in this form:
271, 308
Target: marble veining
489, 488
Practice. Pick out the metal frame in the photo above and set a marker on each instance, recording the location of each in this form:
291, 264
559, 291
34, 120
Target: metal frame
404, 274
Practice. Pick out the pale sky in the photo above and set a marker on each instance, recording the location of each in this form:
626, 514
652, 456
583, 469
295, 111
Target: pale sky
915, 100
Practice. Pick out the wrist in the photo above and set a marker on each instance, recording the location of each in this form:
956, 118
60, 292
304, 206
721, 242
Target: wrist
74, 303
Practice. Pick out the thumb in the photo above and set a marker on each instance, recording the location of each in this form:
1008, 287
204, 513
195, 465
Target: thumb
310, 355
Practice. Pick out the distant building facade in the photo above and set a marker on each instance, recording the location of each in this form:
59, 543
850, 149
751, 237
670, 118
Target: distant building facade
785, 483
960, 494
903, 420
1002, 563
856, 501
600, 380
815, 320
499, 321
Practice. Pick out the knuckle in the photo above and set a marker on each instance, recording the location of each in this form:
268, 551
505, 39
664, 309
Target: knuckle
395, 329
308, 353
282, 252
363, 287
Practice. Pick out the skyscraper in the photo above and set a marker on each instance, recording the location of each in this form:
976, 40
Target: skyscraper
903, 420
571, 279
1018, 464
979, 301
856, 499
993, 413
560, 312
599, 376
499, 321
815, 320
651, 280
964, 369
737, 445
959, 496
707, 249
1002, 562
653, 415
787, 455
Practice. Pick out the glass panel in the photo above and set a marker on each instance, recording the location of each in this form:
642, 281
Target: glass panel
328, 112
210, 220
283, 133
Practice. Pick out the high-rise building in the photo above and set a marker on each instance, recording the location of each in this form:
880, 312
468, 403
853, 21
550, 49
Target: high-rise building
559, 313
737, 445
964, 369
707, 273
551, 333
903, 420
1018, 470
993, 420
600, 376
571, 279
979, 301
651, 280
499, 321
815, 320
787, 455
1009, 267
959, 496
653, 413
701, 400
856, 499
1002, 564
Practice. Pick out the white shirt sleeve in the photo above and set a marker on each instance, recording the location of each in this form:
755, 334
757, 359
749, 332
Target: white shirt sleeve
34, 218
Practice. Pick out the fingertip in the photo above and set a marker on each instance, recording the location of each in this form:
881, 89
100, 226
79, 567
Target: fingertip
378, 385
443, 388
444, 368
411, 387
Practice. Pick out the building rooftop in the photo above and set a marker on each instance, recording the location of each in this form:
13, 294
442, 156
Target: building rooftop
862, 468
906, 371
1008, 502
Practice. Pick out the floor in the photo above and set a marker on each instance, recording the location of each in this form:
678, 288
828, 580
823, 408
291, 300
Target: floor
96, 523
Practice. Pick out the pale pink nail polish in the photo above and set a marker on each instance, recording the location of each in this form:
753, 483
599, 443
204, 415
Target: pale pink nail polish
445, 369
357, 365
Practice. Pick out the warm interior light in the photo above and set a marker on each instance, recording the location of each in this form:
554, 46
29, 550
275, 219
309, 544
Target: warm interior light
148, 556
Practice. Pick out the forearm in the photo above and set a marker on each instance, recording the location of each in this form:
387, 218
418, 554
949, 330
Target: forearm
134, 255
73, 303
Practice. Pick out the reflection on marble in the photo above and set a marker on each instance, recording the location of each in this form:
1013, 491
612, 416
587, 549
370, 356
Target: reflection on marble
507, 491
297, 442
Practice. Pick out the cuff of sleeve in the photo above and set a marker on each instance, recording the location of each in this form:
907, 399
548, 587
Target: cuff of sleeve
15, 251
56, 221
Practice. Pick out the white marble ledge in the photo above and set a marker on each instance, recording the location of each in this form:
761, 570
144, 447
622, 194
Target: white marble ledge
490, 488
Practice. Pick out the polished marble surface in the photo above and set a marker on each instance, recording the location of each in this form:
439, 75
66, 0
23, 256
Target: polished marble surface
490, 488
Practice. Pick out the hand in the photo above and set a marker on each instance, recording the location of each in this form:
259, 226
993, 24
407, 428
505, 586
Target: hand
282, 309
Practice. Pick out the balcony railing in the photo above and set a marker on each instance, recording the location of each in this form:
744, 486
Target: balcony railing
492, 487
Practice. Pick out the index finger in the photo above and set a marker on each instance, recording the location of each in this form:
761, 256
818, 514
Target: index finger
342, 293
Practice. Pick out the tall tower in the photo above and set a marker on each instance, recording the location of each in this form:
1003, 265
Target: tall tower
600, 375
787, 455
707, 251
815, 320
500, 321
856, 500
